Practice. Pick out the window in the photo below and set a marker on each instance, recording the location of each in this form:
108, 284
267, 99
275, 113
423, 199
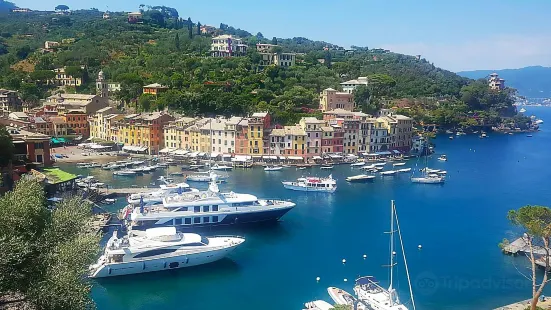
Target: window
196, 220
215, 208
215, 219
206, 219
154, 253
187, 220
196, 209
39, 158
178, 221
205, 208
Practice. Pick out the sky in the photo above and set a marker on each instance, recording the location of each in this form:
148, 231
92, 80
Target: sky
455, 35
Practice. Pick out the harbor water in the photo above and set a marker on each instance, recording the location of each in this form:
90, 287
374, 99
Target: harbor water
459, 225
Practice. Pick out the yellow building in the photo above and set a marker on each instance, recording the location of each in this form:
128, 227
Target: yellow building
176, 134
257, 123
99, 127
195, 137
295, 140
142, 132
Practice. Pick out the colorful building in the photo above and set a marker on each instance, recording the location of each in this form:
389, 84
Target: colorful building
77, 123
295, 140
142, 132
327, 140
154, 89
242, 137
258, 123
31, 147
312, 127
331, 99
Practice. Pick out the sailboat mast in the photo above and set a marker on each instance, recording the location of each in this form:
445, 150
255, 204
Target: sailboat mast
391, 246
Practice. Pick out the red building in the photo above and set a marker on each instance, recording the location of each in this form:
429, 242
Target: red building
31, 148
242, 137
338, 139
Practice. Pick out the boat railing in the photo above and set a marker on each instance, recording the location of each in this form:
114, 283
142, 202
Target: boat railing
191, 196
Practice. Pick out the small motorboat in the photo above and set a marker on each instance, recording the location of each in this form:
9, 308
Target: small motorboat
341, 297
529, 136
109, 201
126, 173
443, 158
399, 164
221, 168
388, 172
162, 165
379, 164
272, 168
358, 164
176, 174
301, 168
451, 137
360, 178
404, 170
326, 167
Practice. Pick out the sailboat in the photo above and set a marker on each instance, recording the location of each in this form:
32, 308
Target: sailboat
429, 176
367, 288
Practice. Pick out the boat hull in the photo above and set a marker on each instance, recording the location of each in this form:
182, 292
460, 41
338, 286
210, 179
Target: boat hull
308, 189
166, 263
427, 180
362, 180
231, 219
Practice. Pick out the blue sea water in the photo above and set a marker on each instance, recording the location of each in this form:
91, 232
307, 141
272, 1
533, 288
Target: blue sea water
459, 225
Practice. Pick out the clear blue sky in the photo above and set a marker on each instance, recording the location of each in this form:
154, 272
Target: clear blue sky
455, 35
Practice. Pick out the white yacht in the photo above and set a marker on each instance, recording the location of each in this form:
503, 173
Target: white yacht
357, 164
326, 167
159, 249
125, 173
368, 290
522, 110
205, 209
313, 184
388, 172
205, 177
399, 164
443, 157
156, 196
429, 179
404, 170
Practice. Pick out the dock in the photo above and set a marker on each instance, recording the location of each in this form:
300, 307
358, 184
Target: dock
126, 191
99, 222
522, 305
520, 246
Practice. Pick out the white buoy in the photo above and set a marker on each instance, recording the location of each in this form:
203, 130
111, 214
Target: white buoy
318, 279
344, 261
393, 252
419, 247
345, 280
365, 256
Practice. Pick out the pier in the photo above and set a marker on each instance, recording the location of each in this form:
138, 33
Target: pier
522, 305
520, 246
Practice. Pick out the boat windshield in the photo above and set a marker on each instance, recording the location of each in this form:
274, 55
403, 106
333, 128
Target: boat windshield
205, 240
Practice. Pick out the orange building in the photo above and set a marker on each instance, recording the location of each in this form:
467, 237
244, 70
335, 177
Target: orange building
142, 132
154, 89
77, 123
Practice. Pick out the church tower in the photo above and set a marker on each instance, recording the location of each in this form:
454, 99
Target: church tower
101, 85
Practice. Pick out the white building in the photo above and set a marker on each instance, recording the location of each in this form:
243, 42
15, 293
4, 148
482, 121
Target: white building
227, 46
222, 133
349, 86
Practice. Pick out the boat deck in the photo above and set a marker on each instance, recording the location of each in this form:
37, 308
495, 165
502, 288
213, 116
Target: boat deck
128, 190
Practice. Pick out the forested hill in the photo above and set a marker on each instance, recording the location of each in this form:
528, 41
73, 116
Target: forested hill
170, 50
531, 82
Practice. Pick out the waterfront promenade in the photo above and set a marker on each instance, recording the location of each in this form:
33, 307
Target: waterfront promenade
522, 305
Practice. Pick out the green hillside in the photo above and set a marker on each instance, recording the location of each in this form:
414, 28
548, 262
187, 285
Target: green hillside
168, 49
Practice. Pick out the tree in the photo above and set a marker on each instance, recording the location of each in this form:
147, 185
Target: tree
198, 28
274, 41
23, 51
381, 84
62, 7
177, 42
6, 147
361, 98
46, 253
536, 223
328, 59
259, 35
190, 27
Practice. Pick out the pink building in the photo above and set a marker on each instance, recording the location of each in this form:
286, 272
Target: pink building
331, 99
312, 127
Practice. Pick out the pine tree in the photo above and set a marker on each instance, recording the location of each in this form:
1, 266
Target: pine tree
198, 28
274, 41
177, 42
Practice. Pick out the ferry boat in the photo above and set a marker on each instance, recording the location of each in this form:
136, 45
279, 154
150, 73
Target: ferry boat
360, 178
159, 249
154, 197
205, 209
312, 184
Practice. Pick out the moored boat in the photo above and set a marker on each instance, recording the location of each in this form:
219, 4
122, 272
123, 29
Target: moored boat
125, 173
221, 167
272, 168
360, 178
443, 157
404, 170
326, 167
388, 172
312, 184
158, 249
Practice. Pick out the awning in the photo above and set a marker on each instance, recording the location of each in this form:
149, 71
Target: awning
194, 154
134, 148
226, 155
201, 154
101, 147
316, 157
282, 157
351, 156
269, 157
257, 156
371, 154
396, 152
166, 150
214, 154
383, 153
335, 156
241, 158
180, 152
295, 157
